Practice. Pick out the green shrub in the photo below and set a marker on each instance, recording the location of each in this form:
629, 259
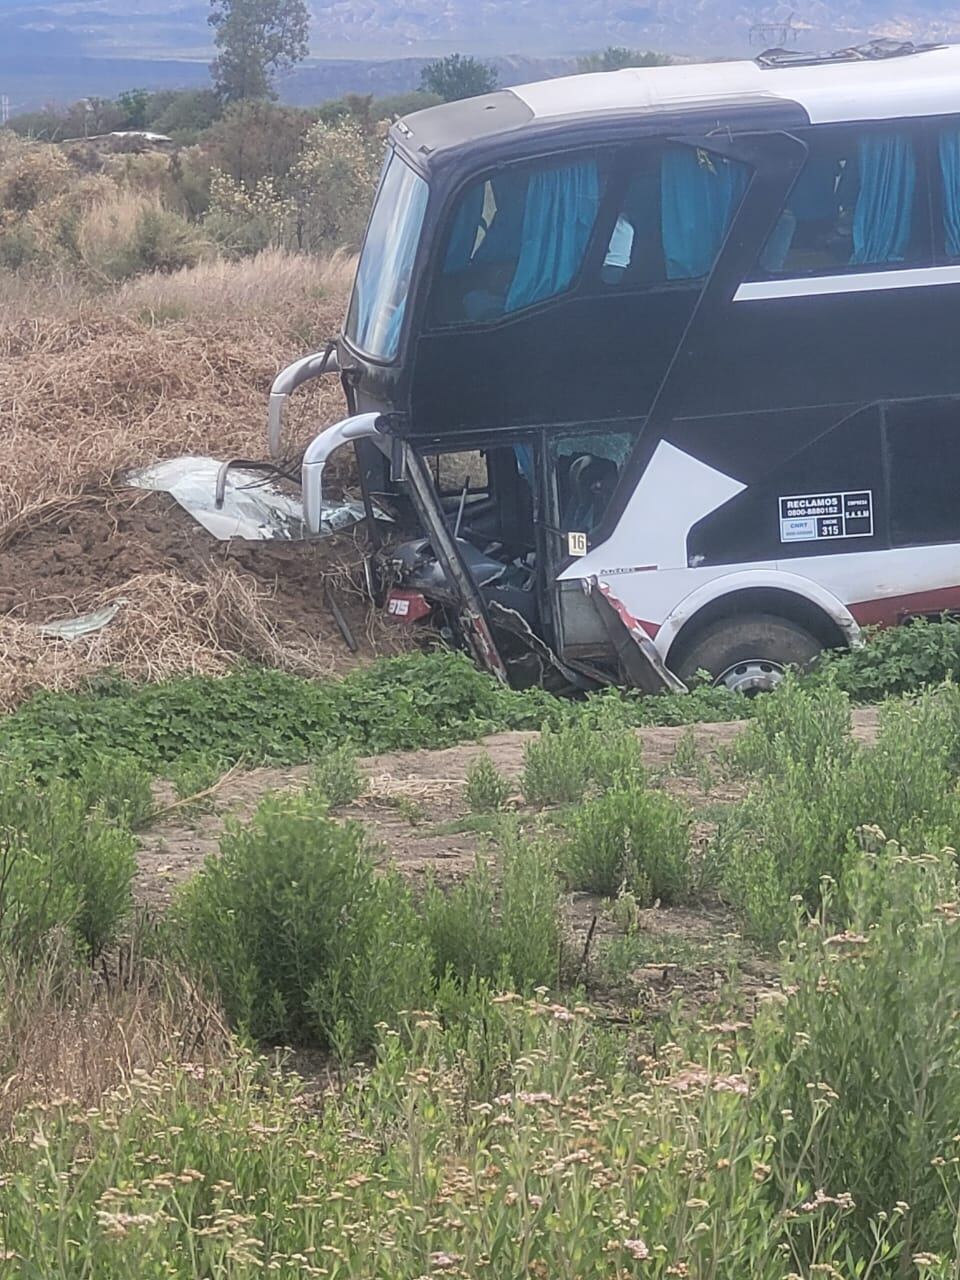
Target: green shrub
563, 764
461, 925
818, 786
632, 838
126, 235
895, 661
337, 778
556, 769
238, 236
530, 913
487, 790
907, 780
61, 867
306, 943
862, 1064
506, 933
686, 754
195, 772
615, 757
800, 721
163, 241
120, 787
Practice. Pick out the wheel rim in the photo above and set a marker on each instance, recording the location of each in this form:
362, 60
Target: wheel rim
756, 675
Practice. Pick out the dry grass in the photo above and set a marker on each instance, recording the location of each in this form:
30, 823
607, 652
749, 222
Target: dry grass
95, 382
91, 385
168, 626
69, 1034
252, 289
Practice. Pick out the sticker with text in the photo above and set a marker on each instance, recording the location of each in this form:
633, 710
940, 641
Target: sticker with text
819, 517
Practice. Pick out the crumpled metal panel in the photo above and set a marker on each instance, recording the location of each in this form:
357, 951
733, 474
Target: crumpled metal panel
85, 625
254, 509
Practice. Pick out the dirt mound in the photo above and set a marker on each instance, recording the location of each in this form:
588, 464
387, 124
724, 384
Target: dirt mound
95, 382
187, 603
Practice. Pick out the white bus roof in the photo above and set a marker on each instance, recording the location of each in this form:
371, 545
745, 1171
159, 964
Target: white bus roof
926, 83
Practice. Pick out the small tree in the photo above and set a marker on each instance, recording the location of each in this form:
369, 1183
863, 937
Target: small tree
616, 58
134, 103
184, 112
457, 77
256, 39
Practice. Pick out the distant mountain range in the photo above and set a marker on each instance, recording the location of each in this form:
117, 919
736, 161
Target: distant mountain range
63, 49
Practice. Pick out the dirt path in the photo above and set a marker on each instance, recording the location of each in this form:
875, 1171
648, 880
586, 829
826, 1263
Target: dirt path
417, 817
414, 808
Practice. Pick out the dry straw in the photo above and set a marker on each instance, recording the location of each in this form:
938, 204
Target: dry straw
93, 383
71, 1035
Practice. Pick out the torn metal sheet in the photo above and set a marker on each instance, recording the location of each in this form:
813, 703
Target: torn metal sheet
85, 625
254, 509
639, 656
510, 620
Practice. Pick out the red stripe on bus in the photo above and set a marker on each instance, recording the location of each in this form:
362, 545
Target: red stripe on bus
891, 610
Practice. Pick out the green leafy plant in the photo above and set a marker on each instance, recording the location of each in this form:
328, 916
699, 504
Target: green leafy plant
686, 754
338, 778
861, 1062
802, 722
487, 790
63, 866
503, 923
120, 787
636, 839
818, 786
563, 764
556, 770
895, 661
192, 774
306, 943
270, 717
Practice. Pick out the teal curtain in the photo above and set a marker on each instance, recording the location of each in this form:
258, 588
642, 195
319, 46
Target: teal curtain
558, 221
466, 228
950, 170
883, 217
700, 193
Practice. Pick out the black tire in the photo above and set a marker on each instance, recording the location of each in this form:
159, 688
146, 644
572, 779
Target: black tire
748, 652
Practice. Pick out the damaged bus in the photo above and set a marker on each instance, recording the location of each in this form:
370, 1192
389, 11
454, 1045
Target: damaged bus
662, 366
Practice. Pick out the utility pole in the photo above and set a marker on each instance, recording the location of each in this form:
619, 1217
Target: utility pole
4, 110
774, 33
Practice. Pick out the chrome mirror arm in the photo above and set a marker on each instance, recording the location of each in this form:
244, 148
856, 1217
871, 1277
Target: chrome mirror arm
286, 383
361, 427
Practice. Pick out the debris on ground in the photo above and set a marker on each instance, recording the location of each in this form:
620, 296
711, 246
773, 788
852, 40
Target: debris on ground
180, 603
252, 506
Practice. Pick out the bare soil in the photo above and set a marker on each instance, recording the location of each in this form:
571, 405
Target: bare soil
109, 544
417, 818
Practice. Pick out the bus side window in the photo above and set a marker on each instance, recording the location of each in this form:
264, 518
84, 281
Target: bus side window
857, 204
948, 155
587, 467
678, 207
518, 238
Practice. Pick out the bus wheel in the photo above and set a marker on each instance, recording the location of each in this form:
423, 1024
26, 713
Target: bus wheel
748, 653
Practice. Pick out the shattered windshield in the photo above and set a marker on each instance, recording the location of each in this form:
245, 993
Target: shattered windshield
386, 265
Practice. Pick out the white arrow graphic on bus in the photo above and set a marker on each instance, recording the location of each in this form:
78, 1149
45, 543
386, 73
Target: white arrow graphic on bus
675, 492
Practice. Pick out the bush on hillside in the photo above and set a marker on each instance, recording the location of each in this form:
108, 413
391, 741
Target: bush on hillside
127, 235
306, 943
66, 863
